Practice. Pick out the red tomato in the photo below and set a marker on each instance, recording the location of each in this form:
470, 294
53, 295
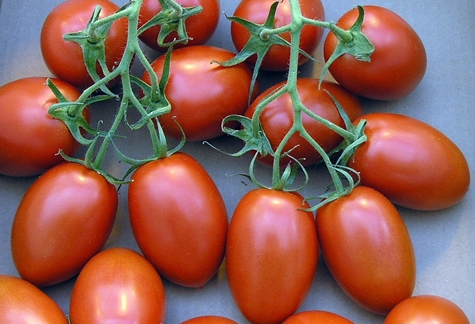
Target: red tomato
277, 58
118, 285
426, 309
316, 316
202, 93
29, 137
23, 303
179, 219
62, 221
367, 248
64, 58
397, 65
278, 116
199, 27
411, 163
271, 254
209, 319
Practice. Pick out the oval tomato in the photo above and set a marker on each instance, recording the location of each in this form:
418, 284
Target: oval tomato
64, 219
199, 27
277, 58
178, 219
426, 309
202, 93
271, 254
367, 249
278, 117
209, 319
23, 303
118, 285
64, 58
29, 137
410, 162
316, 316
397, 64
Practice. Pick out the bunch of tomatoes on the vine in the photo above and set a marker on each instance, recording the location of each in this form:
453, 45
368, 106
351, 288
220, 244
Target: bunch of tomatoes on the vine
270, 245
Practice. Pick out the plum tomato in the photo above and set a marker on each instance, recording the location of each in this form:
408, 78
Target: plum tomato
62, 221
271, 254
316, 316
367, 249
209, 319
397, 64
410, 162
179, 219
118, 285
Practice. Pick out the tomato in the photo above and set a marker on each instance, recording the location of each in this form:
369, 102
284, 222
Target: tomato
271, 254
426, 309
202, 93
118, 285
316, 316
209, 319
29, 137
199, 27
64, 58
367, 249
397, 65
278, 116
64, 219
277, 58
411, 163
23, 303
178, 219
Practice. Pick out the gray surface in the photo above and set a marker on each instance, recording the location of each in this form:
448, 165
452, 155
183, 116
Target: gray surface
444, 241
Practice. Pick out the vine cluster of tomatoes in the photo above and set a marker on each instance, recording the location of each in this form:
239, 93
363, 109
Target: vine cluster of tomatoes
177, 214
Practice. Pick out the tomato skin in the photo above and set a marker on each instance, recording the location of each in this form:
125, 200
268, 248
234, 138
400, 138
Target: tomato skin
271, 254
199, 27
197, 85
410, 162
367, 248
118, 285
23, 303
277, 58
316, 316
64, 219
387, 76
277, 118
426, 309
209, 319
64, 58
29, 137
178, 219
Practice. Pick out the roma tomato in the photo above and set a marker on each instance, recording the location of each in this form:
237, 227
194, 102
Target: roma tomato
278, 117
367, 249
271, 254
64, 58
426, 309
118, 285
316, 316
179, 219
202, 93
397, 64
209, 319
199, 27
23, 303
29, 137
277, 58
411, 163
63, 220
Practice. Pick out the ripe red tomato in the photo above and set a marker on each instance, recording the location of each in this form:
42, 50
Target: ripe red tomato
411, 163
22, 302
316, 316
118, 285
64, 58
179, 219
63, 220
199, 27
278, 116
29, 137
426, 309
367, 249
397, 65
271, 254
277, 58
209, 319
202, 93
